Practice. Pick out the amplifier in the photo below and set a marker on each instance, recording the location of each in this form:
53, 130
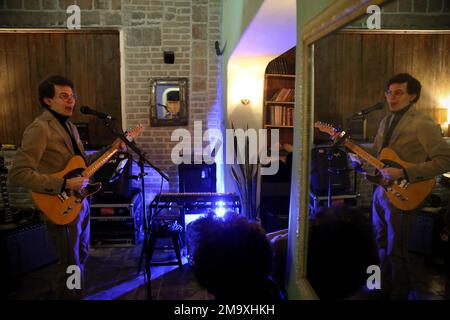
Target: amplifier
328, 162
26, 248
115, 176
117, 209
197, 177
118, 230
117, 223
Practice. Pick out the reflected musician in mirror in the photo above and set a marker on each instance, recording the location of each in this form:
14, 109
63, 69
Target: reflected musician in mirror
416, 141
48, 144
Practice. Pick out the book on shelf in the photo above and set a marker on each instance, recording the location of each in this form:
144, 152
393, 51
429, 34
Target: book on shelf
281, 116
283, 95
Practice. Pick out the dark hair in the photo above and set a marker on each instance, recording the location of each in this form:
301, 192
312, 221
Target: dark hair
47, 87
233, 258
341, 247
413, 85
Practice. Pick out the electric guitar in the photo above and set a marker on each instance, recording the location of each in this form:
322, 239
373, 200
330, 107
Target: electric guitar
63, 208
402, 194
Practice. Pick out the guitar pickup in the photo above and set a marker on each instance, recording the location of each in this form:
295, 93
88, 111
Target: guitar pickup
63, 196
403, 184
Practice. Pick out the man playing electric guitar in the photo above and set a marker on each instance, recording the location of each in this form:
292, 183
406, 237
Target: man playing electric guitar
47, 146
417, 139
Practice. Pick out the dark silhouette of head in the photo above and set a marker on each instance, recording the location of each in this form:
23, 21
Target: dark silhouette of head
341, 247
232, 258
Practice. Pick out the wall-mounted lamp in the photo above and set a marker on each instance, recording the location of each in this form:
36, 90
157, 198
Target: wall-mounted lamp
245, 101
441, 114
444, 112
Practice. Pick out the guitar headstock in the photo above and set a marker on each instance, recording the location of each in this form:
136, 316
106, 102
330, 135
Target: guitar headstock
130, 135
327, 128
133, 133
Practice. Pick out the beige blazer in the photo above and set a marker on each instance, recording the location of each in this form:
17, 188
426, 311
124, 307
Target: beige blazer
46, 148
417, 139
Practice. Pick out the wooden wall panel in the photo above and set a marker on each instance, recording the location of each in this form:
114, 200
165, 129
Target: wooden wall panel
90, 59
351, 70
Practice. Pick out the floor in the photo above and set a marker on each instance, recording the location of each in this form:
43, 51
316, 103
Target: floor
112, 275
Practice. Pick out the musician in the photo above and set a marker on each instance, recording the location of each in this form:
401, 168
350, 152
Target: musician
48, 143
415, 138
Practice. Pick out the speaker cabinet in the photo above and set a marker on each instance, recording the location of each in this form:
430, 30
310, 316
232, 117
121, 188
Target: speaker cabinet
358, 129
83, 131
115, 176
329, 162
197, 177
27, 248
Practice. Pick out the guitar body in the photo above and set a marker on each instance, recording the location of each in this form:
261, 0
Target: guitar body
63, 208
404, 197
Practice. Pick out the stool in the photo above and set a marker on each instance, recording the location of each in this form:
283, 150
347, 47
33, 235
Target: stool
165, 229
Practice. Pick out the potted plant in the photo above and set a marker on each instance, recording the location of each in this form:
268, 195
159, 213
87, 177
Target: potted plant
245, 176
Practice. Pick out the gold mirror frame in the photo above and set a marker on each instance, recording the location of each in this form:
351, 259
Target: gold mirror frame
335, 16
164, 112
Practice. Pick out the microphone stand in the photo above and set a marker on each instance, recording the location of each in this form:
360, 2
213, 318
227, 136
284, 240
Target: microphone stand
142, 174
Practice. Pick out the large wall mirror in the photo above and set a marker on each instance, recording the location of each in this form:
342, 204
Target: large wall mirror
345, 67
169, 102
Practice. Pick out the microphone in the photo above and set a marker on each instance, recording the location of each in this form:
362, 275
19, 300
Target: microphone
377, 106
101, 115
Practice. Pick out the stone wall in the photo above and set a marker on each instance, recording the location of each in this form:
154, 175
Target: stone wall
189, 28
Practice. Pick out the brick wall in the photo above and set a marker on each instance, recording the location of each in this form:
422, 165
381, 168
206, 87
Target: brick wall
412, 14
150, 27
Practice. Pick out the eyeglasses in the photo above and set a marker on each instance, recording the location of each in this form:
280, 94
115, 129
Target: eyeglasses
397, 93
65, 97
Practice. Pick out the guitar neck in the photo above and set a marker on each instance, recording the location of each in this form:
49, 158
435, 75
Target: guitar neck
363, 154
97, 164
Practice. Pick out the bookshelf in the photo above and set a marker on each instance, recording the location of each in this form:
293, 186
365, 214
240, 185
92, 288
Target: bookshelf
279, 93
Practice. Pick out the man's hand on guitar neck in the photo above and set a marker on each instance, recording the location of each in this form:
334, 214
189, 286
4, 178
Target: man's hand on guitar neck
123, 147
77, 183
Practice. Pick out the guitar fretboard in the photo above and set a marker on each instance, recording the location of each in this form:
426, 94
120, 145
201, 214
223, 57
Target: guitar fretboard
97, 164
364, 154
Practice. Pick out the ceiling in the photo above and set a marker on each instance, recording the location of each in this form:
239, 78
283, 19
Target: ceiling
271, 32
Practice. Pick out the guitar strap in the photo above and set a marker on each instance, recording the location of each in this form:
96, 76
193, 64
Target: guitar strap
76, 149
390, 125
